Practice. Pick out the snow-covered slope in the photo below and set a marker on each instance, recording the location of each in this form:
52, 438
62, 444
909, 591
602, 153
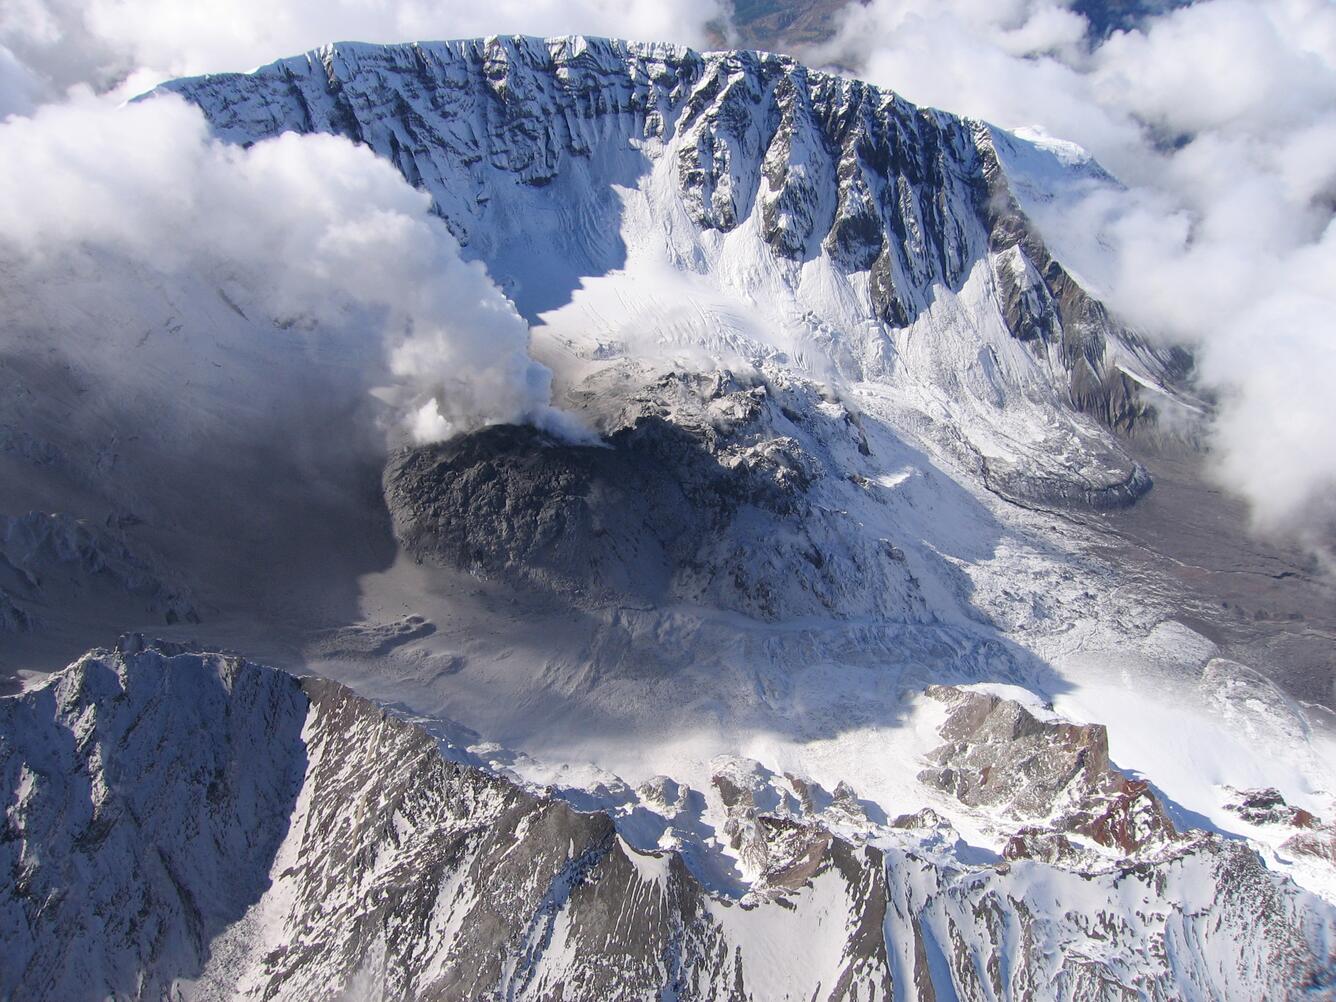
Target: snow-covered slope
647, 201
191, 825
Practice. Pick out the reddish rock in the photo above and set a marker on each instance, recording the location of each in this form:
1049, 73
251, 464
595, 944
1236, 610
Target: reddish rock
998, 754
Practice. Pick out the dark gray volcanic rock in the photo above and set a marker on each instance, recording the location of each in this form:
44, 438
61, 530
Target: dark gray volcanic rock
703, 493
511, 501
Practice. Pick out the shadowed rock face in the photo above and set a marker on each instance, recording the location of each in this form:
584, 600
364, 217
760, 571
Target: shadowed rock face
146, 793
1042, 303
47, 559
583, 521
179, 814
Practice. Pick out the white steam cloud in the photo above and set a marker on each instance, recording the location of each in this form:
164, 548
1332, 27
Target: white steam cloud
306, 226
308, 229
1220, 118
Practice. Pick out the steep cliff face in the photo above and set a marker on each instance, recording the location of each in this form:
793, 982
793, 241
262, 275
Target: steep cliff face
186, 824
873, 240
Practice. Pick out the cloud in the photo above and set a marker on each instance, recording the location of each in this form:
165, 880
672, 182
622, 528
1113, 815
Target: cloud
19, 89
310, 227
1220, 118
1013, 63
100, 42
98, 204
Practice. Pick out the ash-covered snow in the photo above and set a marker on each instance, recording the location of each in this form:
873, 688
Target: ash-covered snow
862, 435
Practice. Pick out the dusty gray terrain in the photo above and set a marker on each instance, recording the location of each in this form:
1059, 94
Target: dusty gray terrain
1267, 602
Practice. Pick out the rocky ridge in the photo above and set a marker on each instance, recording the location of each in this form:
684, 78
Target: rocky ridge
312, 844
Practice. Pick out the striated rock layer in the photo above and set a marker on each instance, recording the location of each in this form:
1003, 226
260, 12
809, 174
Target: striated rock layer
187, 824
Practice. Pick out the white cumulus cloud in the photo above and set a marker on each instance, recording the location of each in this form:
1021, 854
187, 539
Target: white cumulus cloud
301, 228
103, 41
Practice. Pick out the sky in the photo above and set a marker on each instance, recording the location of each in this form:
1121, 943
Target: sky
1219, 119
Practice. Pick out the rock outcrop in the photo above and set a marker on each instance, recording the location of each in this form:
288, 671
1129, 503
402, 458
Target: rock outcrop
1000, 755
1312, 839
701, 492
183, 823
